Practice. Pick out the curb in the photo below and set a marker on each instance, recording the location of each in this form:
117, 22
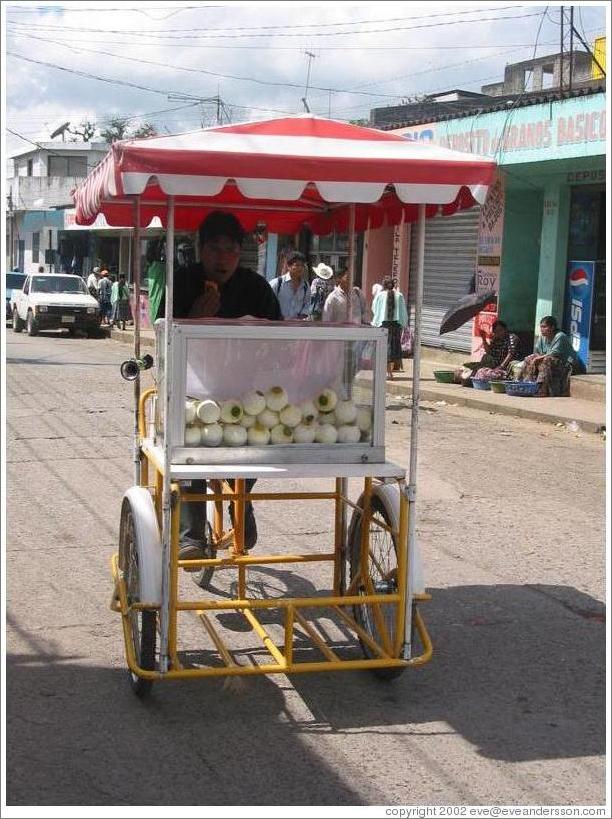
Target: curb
512, 407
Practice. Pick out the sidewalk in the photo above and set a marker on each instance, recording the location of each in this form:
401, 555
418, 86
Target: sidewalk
590, 415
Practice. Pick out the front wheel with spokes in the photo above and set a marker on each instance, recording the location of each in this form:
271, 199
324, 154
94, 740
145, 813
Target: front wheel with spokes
378, 621
142, 622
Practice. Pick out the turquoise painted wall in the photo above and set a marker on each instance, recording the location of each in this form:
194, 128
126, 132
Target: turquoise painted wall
518, 285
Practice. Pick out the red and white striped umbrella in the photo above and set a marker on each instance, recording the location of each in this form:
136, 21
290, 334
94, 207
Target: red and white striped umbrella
285, 173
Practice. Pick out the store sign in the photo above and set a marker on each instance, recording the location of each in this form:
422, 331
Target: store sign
578, 307
561, 129
490, 233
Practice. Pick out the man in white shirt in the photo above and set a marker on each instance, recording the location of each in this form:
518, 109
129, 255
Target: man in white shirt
92, 282
336, 308
292, 290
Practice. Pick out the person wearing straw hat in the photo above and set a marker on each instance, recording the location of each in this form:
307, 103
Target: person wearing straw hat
321, 287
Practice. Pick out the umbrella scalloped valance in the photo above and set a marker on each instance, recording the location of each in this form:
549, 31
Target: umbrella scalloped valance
285, 173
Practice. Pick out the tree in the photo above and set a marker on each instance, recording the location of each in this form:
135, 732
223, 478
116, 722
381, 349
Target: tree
363, 122
116, 129
87, 131
147, 129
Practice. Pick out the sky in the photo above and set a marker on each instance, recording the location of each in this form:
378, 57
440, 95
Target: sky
163, 62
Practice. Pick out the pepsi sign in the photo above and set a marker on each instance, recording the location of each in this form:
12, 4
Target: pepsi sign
578, 307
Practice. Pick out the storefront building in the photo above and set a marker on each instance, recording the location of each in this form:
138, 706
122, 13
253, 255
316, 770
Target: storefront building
543, 221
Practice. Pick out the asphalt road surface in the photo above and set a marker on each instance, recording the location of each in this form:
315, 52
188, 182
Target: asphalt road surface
510, 710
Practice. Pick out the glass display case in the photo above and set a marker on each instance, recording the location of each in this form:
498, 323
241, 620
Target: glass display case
257, 392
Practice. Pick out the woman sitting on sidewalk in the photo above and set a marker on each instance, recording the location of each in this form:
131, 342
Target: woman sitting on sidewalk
501, 353
552, 360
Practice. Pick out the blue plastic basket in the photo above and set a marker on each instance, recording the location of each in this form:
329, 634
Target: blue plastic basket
481, 384
522, 388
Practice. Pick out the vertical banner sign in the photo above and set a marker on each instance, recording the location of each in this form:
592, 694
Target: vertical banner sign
397, 251
578, 307
488, 265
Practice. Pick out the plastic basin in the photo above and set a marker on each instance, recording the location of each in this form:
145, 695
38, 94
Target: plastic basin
498, 386
444, 376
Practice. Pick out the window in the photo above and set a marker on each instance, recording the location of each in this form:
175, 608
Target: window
35, 247
30, 166
67, 165
58, 284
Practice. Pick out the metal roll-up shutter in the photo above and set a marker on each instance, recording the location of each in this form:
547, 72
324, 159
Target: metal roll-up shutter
451, 248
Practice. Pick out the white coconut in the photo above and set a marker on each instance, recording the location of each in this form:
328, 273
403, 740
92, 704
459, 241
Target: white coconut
326, 434
281, 434
348, 434
193, 436
212, 434
364, 419
208, 412
290, 415
276, 399
254, 402
248, 421
326, 400
346, 412
231, 411
304, 433
268, 418
190, 411
258, 435
234, 435
309, 411
327, 418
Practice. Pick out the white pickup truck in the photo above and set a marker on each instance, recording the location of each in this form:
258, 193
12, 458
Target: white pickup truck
55, 301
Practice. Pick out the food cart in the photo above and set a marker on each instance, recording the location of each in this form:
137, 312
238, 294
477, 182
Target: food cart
284, 174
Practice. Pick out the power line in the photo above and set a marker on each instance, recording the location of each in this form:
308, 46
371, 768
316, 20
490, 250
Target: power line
233, 47
173, 38
274, 83
289, 26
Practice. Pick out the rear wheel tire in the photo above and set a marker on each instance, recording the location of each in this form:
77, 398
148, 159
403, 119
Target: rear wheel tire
18, 324
382, 568
143, 623
31, 325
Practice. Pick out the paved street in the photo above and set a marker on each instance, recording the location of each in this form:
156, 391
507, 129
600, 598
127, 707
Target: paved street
510, 711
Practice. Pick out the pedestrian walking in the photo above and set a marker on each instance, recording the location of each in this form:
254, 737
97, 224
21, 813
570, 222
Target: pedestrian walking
389, 310
105, 288
120, 300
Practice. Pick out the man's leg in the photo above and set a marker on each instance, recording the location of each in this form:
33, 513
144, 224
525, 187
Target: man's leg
193, 526
250, 524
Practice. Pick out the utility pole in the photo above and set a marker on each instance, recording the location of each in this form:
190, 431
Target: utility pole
571, 65
561, 47
311, 57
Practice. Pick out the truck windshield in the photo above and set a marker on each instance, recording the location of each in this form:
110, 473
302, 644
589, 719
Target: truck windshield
58, 284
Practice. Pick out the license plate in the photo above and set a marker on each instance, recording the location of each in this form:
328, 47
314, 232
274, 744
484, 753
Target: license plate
67, 319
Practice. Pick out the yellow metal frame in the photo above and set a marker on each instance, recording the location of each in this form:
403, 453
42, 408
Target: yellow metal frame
387, 655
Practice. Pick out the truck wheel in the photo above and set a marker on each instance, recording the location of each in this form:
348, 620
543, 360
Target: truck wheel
31, 325
17, 322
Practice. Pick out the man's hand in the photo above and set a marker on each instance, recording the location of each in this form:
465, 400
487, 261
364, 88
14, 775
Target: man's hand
207, 303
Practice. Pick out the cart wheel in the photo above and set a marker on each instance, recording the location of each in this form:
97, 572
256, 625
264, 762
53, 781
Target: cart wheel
382, 568
143, 624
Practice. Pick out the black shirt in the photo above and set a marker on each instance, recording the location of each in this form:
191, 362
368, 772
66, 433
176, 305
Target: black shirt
245, 294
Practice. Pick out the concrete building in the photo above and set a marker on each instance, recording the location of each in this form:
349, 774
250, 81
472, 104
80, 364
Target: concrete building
539, 241
39, 183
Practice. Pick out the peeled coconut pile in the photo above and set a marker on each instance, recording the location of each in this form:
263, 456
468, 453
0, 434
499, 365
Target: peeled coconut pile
267, 417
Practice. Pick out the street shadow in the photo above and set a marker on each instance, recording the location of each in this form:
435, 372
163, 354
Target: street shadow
77, 735
518, 671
